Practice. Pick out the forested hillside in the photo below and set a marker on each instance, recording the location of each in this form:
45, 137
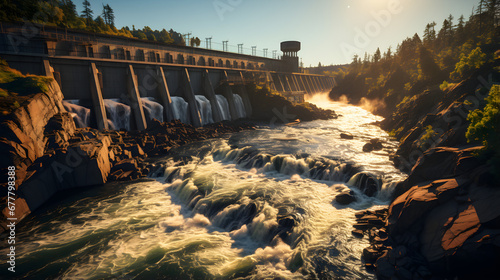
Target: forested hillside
63, 13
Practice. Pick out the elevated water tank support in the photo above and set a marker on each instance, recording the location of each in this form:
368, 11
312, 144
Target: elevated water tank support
210, 94
191, 99
165, 94
97, 100
135, 99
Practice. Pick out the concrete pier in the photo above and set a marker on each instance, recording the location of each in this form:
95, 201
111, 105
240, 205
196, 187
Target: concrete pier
97, 100
228, 94
210, 95
194, 111
164, 94
243, 93
135, 99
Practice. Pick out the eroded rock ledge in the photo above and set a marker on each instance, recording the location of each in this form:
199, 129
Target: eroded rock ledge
445, 226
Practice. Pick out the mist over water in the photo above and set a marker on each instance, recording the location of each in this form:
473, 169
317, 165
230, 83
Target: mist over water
258, 204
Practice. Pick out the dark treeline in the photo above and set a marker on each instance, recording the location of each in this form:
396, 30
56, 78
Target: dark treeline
439, 57
63, 13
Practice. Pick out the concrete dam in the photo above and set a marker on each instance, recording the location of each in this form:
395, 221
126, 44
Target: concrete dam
112, 82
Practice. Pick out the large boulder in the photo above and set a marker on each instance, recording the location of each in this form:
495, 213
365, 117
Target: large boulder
82, 164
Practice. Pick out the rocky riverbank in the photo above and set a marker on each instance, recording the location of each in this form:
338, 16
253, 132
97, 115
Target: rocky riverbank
444, 220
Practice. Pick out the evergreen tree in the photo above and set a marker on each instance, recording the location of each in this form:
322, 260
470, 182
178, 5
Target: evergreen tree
164, 37
87, 12
430, 34
427, 65
195, 42
377, 56
108, 15
70, 14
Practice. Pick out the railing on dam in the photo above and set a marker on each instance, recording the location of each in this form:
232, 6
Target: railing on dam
54, 41
59, 33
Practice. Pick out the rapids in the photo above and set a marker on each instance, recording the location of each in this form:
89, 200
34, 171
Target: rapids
257, 204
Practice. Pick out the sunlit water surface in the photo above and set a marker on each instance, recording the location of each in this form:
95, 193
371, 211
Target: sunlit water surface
259, 204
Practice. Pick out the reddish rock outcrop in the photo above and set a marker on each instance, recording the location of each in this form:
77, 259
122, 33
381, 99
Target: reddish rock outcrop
448, 227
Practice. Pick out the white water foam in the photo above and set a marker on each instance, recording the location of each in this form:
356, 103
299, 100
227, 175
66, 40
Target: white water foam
224, 107
180, 109
80, 114
152, 109
205, 109
118, 114
240, 107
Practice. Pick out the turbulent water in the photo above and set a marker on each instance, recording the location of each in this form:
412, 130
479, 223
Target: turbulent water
118, 114
240, 108
224, 107
180, 109
80, 114
152, 109
259, 204
205, 109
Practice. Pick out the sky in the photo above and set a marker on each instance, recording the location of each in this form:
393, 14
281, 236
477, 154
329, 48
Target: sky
330, 31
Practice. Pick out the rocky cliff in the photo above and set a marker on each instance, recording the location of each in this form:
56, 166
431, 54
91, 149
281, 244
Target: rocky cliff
443, 222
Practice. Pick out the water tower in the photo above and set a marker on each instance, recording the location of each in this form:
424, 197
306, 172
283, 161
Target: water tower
290, 60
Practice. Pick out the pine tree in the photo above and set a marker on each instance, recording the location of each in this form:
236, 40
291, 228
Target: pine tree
377, 56
69, 10
108, 15
87, 12
450, 30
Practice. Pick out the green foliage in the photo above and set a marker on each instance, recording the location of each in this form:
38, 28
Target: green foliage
445, 85
429, 133
63, 13
469, 62
3, 93
396, 132
427, 64
484, 126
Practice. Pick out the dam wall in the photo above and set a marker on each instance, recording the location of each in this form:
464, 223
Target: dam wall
97, 71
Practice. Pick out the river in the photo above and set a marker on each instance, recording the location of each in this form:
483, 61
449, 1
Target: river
257, 204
